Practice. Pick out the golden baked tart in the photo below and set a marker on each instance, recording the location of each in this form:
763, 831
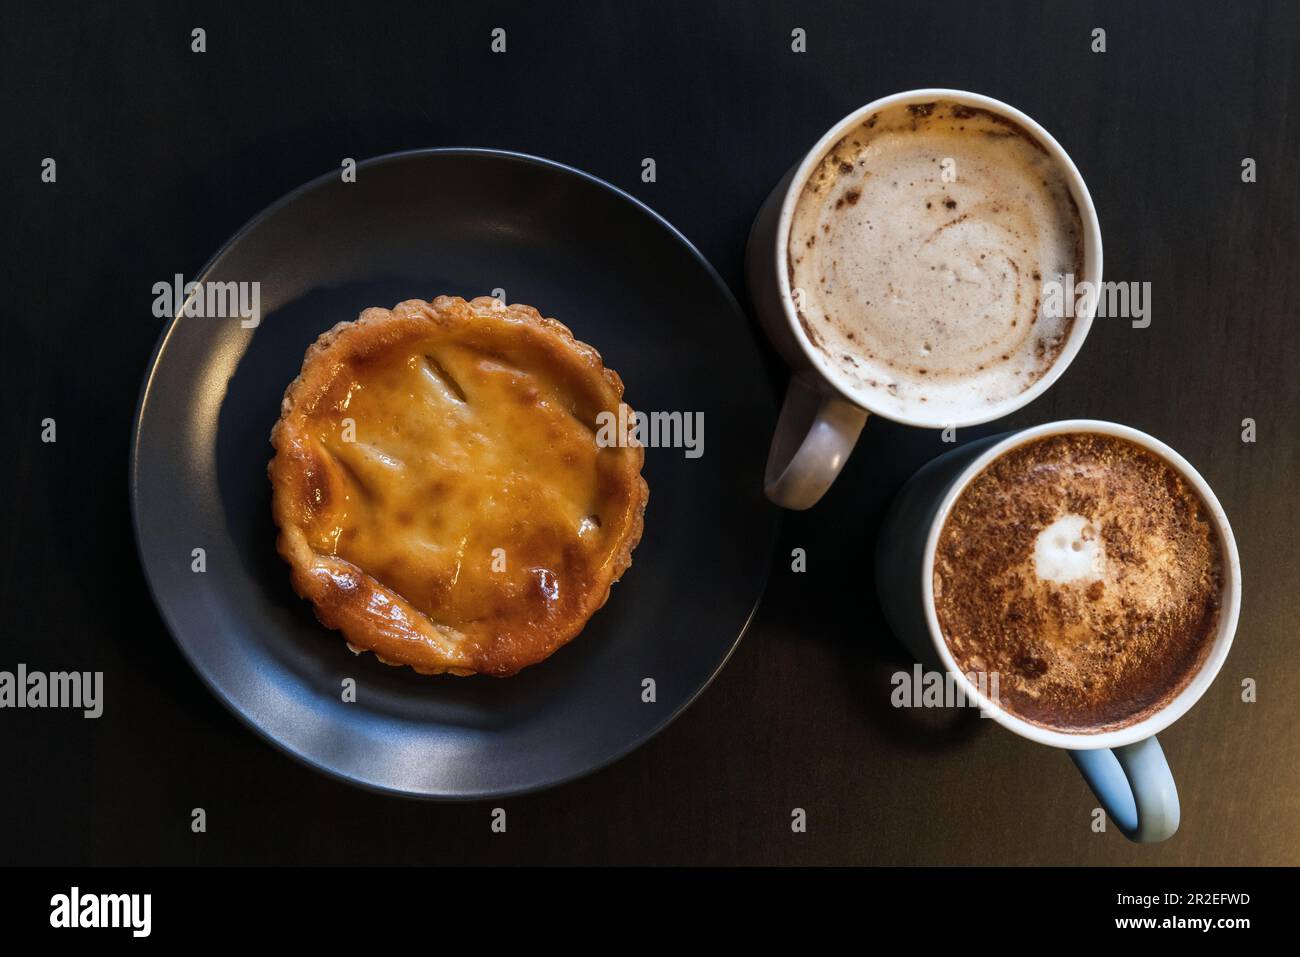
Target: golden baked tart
441, 495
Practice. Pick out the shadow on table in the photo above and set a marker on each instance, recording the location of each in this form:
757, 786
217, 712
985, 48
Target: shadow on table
835, 603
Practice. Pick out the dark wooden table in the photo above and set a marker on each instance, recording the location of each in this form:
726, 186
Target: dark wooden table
163, 153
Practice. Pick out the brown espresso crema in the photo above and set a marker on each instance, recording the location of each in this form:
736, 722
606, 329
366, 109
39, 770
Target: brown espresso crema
918, 251
1087, 574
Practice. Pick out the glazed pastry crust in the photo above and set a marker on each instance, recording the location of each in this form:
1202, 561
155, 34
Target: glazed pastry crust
440, 493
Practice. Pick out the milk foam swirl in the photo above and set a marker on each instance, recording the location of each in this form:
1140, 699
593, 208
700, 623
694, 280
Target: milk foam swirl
920, 245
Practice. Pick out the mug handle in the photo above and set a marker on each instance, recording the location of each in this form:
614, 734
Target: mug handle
1135, 786
814, 436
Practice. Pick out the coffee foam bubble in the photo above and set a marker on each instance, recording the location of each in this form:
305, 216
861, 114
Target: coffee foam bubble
1069, 550
920, 245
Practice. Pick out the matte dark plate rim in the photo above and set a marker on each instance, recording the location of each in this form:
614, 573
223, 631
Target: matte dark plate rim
133, 483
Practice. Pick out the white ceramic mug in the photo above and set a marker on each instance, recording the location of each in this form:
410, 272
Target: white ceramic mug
824, 411
1125, 768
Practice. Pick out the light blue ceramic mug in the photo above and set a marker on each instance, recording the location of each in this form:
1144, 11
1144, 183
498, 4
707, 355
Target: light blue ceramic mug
1125, 768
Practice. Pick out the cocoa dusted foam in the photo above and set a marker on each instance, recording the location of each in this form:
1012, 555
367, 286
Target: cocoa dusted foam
1086, 573
920, 244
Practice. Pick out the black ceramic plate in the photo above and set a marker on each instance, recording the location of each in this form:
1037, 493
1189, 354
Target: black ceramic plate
460, 222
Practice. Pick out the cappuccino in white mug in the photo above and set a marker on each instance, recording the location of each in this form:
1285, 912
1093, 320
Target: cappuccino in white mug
917, 254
